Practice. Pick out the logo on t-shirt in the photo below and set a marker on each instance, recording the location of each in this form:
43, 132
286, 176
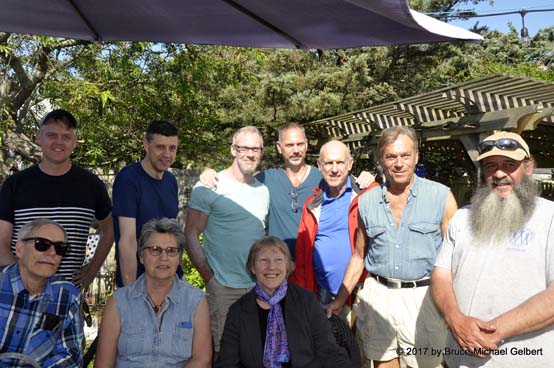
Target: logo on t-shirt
520, 240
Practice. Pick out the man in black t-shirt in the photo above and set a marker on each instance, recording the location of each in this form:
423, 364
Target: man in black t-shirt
62, 191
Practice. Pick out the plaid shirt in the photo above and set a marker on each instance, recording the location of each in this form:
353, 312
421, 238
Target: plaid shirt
47, 327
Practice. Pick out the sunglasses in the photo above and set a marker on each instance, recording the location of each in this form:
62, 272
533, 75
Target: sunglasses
294, 203
157, 251
505, 144
42, 245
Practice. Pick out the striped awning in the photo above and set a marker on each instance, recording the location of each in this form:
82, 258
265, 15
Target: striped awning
480, 105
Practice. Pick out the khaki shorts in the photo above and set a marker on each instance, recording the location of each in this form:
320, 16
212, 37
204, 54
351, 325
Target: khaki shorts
401, 323
219, 299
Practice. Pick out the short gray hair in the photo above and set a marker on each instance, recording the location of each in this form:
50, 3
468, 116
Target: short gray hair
389, 135
248, 129
161, 226
27, 230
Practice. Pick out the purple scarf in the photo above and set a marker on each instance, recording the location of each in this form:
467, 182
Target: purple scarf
276, 349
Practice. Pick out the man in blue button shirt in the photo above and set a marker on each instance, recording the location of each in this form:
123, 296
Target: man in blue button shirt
402, 224
39, 312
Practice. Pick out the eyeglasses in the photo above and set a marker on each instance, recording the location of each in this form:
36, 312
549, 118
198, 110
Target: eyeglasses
245, 149
294, 195
505, 144
42, 245
157, 251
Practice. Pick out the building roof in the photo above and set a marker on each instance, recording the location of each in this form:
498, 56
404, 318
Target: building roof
467, 111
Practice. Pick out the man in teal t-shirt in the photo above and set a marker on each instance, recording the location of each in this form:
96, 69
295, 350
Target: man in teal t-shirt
231, 217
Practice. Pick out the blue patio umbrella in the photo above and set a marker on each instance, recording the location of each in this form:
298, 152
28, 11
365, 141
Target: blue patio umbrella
302, 24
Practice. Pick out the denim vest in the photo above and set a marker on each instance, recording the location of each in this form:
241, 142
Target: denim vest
147, 340
409, 251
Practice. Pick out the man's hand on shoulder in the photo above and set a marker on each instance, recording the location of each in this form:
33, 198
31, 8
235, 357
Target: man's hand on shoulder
208, 177
365, 179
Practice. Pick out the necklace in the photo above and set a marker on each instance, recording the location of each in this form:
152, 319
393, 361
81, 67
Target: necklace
296, 177
156, 307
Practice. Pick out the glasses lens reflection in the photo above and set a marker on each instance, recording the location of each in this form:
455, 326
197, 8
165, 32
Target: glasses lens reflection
156, 251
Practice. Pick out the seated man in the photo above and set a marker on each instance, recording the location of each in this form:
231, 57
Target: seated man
39, 313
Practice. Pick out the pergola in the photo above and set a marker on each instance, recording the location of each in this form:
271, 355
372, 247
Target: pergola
452, 121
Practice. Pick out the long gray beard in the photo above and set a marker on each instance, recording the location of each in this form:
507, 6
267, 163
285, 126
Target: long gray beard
496, 219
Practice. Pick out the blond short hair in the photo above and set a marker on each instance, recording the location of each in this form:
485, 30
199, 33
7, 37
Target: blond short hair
269, 242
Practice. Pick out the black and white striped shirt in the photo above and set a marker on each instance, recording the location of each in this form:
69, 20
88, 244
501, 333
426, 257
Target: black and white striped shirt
73, 200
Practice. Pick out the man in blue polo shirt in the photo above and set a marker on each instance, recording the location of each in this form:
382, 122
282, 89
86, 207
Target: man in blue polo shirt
328, 224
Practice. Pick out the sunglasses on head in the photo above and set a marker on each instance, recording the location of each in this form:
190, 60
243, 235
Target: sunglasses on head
505, 144
294, 195
42, 245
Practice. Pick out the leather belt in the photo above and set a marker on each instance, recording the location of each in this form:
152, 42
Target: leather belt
401, 284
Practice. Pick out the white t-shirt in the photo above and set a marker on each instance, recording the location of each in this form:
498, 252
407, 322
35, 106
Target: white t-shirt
490, 279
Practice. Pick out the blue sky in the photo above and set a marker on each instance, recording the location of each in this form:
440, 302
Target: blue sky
533, 21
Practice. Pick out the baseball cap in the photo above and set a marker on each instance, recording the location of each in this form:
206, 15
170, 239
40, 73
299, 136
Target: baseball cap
505, 144
60, 115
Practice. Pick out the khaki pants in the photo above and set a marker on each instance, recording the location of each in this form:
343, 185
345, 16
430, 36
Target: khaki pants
219, 299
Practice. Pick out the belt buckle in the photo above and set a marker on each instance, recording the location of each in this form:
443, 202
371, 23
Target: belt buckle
394, 284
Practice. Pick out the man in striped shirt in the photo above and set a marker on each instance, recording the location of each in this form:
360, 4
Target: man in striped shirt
39, 313
58, 189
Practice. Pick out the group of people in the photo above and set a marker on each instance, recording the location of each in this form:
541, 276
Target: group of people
422, 283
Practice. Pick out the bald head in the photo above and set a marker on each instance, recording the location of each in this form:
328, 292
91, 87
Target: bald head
334, 145
335, 163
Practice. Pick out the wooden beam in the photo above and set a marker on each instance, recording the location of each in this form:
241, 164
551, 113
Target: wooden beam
477, 123
471, 145
530, 122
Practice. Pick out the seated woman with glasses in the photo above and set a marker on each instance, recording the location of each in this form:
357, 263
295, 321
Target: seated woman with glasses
158, 320
277, 324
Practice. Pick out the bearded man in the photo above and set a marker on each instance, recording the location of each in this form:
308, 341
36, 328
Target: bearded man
493, 278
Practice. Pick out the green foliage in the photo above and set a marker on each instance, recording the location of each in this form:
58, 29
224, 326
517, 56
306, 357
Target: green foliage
5, 50
508, 54
192, 275
115, 89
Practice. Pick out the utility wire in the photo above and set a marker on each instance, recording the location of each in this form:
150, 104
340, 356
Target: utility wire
471, 14
468, 13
